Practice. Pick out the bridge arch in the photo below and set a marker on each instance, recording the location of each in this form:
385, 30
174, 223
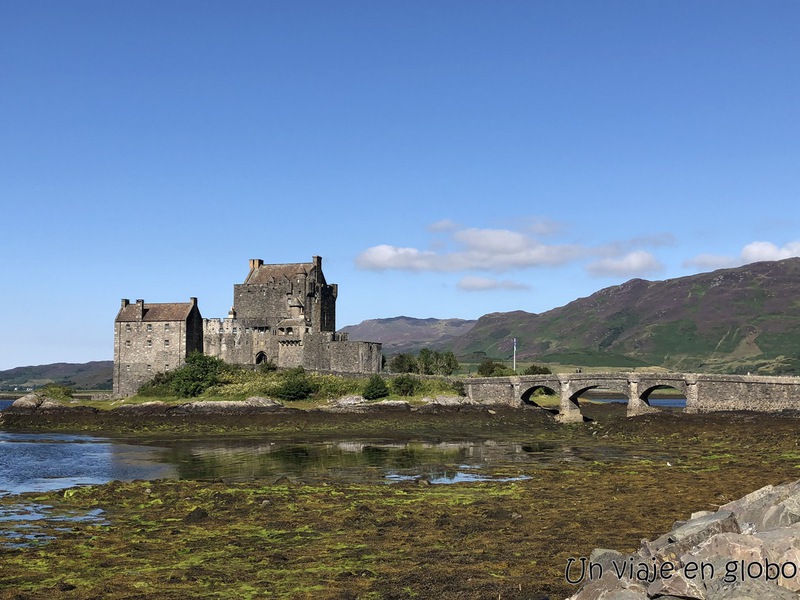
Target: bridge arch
527, 397
647, 386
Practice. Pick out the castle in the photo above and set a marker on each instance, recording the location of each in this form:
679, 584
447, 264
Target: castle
284, 314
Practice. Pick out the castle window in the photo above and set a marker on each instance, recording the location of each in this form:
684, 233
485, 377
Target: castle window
149, 327
149, 367
166, 326
166, 342
127, 367
127, 343
149, 343
127, 327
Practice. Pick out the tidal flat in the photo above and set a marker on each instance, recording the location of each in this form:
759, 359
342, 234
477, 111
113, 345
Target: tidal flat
296, 538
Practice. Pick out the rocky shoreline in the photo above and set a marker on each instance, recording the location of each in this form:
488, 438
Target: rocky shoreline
35, 403
748, 549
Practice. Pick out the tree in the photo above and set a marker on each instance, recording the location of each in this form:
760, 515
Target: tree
425, 362
445, 363
537, 370
375, 388
490, 368
403, 363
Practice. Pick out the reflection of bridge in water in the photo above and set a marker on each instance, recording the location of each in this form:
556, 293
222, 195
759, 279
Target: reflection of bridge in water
703, 392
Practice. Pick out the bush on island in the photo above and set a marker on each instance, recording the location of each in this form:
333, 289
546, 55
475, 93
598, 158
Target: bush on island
296, 385
404, 385
375, 388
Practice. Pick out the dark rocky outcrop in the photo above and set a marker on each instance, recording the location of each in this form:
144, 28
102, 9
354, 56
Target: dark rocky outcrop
749, 548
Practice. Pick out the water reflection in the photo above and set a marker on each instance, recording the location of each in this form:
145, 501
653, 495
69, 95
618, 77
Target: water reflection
39, 462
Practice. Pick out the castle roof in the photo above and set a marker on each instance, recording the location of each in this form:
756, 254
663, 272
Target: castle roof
162, 311
268, 273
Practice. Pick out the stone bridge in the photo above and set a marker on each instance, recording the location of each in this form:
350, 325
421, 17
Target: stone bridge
703, 392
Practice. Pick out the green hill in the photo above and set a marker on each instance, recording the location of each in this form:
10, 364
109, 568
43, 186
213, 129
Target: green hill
745, 319
95, 375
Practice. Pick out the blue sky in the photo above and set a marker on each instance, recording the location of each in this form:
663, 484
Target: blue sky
446, 159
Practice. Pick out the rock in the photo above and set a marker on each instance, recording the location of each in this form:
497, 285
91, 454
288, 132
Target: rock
392, 404
748, 549
35, 401
349, 401
449, 400
27, 402
749, 589
262, 402
146, 408
671, 546
196, 515
753, 507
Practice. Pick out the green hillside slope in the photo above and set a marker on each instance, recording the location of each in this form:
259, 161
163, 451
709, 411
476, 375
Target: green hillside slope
745, 319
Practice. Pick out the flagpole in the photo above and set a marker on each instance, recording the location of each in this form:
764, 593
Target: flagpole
515, 355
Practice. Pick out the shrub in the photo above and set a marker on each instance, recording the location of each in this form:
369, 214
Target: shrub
267, 367
333, 386
375, 388
57, 392
160, 385
490, 368
537, 370
404, 385
296, 385
199, 373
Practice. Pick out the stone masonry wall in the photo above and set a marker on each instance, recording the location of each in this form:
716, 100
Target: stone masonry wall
745, 392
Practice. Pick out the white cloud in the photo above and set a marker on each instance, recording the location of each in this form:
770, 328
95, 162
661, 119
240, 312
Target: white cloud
753, 252
443, 225
480, 249
758, 251
383, 257
483, 284
633, 264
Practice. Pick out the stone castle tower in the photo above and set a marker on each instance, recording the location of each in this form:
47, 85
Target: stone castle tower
282, 313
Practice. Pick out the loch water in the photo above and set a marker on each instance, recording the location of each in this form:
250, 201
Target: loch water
49, 461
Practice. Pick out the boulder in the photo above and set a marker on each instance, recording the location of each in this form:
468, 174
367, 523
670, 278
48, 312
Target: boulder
749, 548
28, 402
449, 400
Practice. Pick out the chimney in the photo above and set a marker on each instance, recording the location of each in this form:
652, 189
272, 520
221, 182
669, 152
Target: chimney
125, 302
317, 260
139, 309
255, 263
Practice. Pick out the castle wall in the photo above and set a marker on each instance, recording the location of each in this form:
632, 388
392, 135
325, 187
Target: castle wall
354, 357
